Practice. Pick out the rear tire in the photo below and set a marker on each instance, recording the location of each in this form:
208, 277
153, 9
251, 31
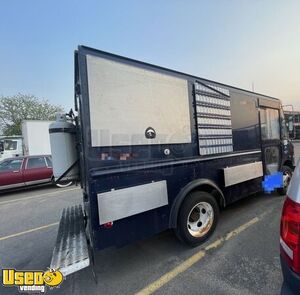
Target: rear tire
287, 176
197, 218
62, 184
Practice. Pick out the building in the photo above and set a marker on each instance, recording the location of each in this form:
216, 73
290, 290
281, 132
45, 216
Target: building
293, 116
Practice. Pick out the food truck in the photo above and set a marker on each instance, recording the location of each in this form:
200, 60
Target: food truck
156, 149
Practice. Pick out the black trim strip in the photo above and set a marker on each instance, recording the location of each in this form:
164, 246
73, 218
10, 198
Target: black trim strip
95, 172
59, 130
67, 171
212, 126
213, 116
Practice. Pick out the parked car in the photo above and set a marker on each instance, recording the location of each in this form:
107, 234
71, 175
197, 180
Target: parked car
26, 171
290, 237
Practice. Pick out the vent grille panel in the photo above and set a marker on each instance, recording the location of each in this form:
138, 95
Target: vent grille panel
213, 119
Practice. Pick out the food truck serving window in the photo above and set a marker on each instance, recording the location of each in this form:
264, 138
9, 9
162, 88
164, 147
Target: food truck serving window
130, 105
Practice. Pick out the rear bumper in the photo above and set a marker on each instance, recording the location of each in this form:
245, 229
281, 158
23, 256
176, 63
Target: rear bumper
291, 281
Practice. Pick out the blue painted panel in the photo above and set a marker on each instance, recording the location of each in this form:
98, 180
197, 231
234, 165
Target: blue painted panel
105, 168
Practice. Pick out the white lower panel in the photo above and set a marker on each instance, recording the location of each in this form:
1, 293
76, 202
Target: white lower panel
241, 173
118, 204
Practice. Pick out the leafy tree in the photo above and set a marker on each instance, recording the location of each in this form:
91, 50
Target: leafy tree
14, 109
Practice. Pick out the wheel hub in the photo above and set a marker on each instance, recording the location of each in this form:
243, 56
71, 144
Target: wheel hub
200, 219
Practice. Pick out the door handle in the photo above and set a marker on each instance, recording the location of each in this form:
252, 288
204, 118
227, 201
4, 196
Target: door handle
16, 171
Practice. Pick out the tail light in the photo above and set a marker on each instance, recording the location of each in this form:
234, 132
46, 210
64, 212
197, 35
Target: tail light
108, 224
290, 234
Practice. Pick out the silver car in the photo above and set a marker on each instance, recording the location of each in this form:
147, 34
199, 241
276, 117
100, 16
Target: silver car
290, 237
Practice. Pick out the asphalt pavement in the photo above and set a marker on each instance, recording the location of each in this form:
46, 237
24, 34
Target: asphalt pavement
242, 256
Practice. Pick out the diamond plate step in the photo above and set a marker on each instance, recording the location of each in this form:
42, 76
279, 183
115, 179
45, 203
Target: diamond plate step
71, 253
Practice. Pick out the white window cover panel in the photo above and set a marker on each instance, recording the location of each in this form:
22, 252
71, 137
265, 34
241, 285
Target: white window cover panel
125, 100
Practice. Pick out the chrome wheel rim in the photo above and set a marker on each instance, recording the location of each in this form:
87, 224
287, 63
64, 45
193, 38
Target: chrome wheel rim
286, 179
64, 184
200, 219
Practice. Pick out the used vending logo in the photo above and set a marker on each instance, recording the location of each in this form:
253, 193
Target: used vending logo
32, 281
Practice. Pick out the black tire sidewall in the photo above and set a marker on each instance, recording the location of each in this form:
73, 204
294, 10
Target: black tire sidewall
190, 201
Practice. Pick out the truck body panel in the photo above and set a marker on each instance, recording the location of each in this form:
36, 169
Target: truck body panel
206, 128
153, 144
36, 137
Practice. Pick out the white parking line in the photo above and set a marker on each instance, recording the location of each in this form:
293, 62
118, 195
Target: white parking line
38, 196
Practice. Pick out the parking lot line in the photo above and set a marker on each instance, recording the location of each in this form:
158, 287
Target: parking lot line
167, 277
28, 231
38, 196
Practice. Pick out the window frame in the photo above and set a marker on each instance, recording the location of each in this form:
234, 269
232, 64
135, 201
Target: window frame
26, 168
270, 151
242, 127
266, 137
14, 143
49, 159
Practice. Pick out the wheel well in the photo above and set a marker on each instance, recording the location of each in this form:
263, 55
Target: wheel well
199, 185
288, 163
211, 190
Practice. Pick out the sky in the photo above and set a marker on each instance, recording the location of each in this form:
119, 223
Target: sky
236, 42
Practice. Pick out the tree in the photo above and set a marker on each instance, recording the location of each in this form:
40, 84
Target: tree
14, 109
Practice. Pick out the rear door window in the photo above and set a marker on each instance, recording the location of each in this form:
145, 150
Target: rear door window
270, 128
37, 162
49, 162
245, 127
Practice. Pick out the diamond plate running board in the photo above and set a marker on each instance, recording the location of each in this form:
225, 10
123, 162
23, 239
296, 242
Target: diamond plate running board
71, 253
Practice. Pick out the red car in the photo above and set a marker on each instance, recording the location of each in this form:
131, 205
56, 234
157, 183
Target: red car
26, 171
